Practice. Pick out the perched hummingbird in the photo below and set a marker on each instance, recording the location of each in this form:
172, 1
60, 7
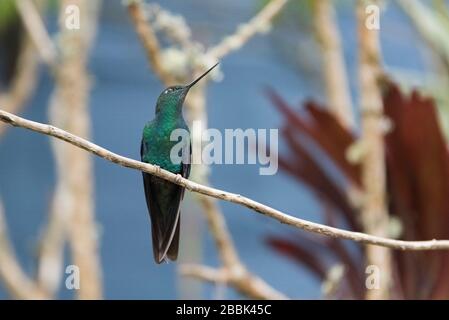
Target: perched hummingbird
163, 198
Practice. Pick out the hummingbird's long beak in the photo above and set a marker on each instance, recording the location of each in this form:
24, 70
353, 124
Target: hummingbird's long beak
201, 76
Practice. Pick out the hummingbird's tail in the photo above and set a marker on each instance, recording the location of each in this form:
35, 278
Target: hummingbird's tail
172, 252
165, 245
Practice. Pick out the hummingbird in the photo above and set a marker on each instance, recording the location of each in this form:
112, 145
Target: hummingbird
163, 198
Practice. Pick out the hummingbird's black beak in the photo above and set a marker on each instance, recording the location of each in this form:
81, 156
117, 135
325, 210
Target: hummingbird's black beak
201, 77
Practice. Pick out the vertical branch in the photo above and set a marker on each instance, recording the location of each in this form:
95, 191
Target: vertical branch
220, 233
73, 204
374, 211
333, 63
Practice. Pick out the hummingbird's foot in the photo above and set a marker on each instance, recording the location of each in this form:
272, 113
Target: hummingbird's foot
178, 178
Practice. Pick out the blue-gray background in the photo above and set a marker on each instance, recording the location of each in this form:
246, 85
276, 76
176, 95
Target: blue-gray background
122, 99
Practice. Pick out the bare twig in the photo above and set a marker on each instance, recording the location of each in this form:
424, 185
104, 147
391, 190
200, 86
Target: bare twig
233, 271
374, 210
204, 273
220, 194
241, 280
37, 31
18, 283
259, 23
148, 39
333, 64
219, 231
173, 26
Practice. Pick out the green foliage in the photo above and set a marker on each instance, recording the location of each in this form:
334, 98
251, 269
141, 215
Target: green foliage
8, 13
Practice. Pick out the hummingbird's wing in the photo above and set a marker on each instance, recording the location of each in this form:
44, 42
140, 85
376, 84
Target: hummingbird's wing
172, 252
163, 201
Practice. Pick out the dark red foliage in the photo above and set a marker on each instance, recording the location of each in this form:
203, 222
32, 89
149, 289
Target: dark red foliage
417, 161
418, 176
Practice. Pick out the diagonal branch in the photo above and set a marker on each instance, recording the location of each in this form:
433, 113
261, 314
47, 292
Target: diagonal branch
18, 283
37, 31
233, 271
221, 194
258, 24
243, 281
149, 40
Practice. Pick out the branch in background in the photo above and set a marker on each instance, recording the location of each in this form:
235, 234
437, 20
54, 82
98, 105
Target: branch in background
19, 285
333, 63
374, 209
173, 26
83, 233
16, 281
243, 281
73, 199
149, 40
220, 194
233, 272
431, 25
259, 23
23, 82
220, 232
72, 214
36, 31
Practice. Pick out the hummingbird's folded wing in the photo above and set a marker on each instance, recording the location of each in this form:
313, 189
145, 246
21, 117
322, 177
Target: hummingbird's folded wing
172, 252
163, 201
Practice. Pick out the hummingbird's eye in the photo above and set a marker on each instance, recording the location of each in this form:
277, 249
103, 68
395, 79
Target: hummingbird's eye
168, 90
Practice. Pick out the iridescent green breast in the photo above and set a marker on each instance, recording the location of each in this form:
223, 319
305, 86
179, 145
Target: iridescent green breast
158, 146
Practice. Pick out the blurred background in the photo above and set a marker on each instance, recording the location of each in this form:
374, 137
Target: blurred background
264, 85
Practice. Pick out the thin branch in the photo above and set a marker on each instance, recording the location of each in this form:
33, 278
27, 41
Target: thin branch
219, 231
173, 26
149, 39
37, 31
233, 271
204, 273
242, 281
259, 23
374, 209
73, 205
220, 194
18, 283
333, 63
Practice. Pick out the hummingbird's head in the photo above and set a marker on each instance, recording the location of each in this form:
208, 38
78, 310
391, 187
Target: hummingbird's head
171, 96
174, 96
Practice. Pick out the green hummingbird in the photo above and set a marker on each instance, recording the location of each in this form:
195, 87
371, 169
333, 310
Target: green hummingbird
163, 197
